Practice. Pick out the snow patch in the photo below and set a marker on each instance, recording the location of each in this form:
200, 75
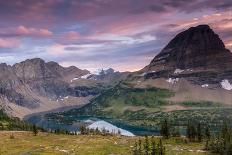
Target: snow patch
143, 74
189, 70
178, 71
85, 76
74, 79
226, 84
103, 125
172, 81
89, 121
204, 85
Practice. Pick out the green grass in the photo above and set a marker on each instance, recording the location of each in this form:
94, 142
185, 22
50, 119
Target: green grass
200, 104
46, 144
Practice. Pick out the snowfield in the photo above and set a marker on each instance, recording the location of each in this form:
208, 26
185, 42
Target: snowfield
204, 85
101, 125
226, 84
172, 81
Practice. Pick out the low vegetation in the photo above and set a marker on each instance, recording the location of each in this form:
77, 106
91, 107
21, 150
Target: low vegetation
12, 123
60, 144
147, 108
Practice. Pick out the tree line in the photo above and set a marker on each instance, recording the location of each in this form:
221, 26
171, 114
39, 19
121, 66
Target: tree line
149, 147
215, 142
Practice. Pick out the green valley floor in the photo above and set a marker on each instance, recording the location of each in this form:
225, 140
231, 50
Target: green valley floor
24, 143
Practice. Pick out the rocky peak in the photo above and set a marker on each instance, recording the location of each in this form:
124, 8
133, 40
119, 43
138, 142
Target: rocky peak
197, 47
32, 69
107, 71
197, 39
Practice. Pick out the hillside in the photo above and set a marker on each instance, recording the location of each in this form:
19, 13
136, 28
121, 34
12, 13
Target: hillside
12, 123
34, 86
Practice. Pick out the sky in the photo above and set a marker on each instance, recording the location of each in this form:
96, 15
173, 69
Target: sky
94, 34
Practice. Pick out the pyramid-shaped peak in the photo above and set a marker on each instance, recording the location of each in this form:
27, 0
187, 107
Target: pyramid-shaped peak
197, 46
197, 39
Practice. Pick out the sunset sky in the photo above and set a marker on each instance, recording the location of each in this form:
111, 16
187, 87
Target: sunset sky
93, 34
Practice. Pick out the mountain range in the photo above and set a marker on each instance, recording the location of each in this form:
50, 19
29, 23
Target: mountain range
195, 65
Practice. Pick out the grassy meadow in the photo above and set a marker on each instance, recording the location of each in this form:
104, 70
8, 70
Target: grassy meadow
24, 143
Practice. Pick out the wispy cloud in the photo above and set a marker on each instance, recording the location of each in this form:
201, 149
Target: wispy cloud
124, 34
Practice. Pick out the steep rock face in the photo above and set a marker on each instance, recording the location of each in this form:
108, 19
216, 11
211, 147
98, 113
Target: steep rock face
197, 54
26, 82
33, 69
47, 79
8, 79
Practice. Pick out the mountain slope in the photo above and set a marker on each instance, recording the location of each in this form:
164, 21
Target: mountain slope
35, 85
195, 64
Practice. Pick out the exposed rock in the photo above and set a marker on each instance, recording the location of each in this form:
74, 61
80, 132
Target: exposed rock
197, 54
26, 82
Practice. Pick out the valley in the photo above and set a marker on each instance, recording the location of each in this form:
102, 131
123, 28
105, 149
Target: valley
177, 88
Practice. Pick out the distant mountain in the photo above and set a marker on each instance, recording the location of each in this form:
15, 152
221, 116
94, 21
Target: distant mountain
36, 85
108, 76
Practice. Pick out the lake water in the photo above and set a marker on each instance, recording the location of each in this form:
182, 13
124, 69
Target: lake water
91, 122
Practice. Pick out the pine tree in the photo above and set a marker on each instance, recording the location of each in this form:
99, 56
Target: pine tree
199, 133
165, 131
153, 146
207, 133
188, 132
161, 148
35, 130
83, 130
146, 146
140, 147
224, 130
135, 149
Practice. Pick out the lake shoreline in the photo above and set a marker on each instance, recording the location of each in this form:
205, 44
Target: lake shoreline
56, 110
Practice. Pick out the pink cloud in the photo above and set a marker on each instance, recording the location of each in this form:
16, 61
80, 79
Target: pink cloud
229, 44
25, 32
9, 43
71, 35
22, 30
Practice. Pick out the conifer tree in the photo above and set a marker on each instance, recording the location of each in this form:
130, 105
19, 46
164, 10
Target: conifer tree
165, 131
146, 146
207, 132
135, 149
224, 130
153, 146
199, 133
140, 147
161, 148
188, 134
35, 130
